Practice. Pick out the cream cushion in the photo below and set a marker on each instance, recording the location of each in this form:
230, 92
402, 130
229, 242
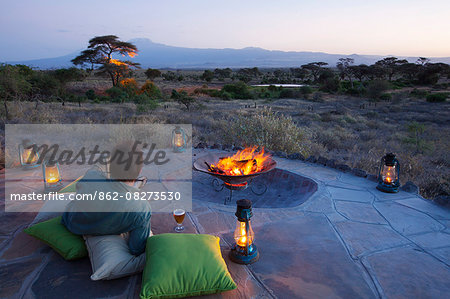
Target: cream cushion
111, 258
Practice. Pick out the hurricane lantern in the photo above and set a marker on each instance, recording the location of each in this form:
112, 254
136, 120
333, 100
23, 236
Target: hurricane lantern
52, 176
244, 251
388, 174
28, 156
179, 140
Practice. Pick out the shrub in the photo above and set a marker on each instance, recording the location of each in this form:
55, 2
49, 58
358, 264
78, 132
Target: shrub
306, 90
145, 107
386, 97
287, 93
207, 75
90, 94
117, 94
330, 85
170, 76
151, 90
183, 98
437, 97
376, 88
418, 93
226, 96
45, 83
13, 83
270, 130
238, 90
129, 85
152, 73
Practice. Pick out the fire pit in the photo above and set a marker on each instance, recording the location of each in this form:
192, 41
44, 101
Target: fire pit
237, 170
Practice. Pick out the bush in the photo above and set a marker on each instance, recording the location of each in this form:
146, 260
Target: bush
418, 93
437, 97
330, 85
386, 97
376, 88
129, 85
287, 93
151, 90
90, 94
226, 96
152, 73
45, 83
238, 90
170, 76
117, 94
306, 90
270, 130
142, 108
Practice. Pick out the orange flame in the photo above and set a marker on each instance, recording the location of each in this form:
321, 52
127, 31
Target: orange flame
244, 162
132, 54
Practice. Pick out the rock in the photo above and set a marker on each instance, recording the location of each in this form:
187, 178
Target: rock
311, 159
216, 146
410, 187
322, 160
226, 146
372, 177
237, 148
331, 163
343, 167
359, 172
281, 154
443, 200
296, 156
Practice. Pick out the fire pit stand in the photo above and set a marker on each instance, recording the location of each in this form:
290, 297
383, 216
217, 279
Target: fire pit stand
258, 189
233, 182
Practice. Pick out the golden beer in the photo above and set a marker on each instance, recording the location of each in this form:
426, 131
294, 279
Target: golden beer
179, 214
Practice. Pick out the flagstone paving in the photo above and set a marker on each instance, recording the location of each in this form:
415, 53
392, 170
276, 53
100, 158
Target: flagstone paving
346, 240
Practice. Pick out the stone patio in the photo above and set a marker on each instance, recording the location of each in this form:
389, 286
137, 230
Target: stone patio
347, 240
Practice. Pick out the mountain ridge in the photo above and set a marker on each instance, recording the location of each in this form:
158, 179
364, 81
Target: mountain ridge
157, 55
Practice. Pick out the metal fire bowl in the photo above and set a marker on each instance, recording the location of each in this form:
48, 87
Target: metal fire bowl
200, 165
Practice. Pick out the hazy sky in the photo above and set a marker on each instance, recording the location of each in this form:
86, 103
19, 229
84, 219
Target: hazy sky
48, 28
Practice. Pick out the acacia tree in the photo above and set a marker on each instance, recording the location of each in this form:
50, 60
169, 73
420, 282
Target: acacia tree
391, 65
315, 68
344, 67
100, 53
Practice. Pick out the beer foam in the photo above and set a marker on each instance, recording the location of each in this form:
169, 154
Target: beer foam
179, 212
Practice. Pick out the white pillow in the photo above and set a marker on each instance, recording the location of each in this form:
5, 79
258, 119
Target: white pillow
111, 258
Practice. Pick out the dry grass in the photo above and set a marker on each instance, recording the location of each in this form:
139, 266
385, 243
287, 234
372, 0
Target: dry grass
336, 128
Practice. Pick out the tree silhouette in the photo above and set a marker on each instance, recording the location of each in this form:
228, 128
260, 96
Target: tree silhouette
314, 68
100, 52
390, 65
343, 66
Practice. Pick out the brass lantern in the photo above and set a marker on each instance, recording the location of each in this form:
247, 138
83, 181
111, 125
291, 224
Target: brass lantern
52, 176
389, 174
244, 251
28, 155
179, 140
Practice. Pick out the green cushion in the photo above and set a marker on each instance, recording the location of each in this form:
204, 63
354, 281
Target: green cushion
72, 187
183, 265
55, 234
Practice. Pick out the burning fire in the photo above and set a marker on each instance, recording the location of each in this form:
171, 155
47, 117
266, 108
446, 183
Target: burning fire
244, 162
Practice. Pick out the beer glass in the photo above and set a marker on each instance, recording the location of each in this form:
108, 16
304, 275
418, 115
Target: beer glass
179, 214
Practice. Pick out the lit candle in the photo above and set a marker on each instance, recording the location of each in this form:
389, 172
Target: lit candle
28, 156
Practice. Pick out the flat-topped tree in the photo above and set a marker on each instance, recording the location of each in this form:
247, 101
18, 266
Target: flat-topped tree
314, 68
100, 53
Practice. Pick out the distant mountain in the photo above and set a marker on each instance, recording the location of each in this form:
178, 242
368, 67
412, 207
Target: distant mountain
157, 55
